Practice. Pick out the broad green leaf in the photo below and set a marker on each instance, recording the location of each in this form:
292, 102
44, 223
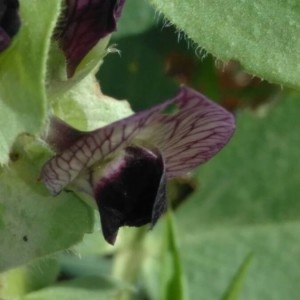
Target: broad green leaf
91, 288
248, 201
234, 289
263, 35
22, 73
32, 222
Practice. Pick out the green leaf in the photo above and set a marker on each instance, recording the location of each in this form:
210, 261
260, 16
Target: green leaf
92, 288
172, 279
18, 282
86, 108
262, 35
234, 289
22, 73
248, 201
32, 222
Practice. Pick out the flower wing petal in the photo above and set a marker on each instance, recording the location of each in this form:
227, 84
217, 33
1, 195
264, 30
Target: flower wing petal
93, 147
187, 138
197, 131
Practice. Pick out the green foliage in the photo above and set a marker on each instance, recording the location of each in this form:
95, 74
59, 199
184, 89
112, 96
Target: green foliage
128, 74
172, 276
21, 281
92, 288
234, 289
262, 35
135, 12
248, 202
33, 223
22, 74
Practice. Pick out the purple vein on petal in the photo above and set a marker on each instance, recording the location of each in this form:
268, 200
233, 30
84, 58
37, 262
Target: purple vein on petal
187, 138
198, 131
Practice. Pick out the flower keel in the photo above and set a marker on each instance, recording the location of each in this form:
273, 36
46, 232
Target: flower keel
132, 192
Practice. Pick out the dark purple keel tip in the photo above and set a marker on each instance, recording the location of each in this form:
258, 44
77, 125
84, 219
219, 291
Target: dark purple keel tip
9, 21
83, 24
133, 193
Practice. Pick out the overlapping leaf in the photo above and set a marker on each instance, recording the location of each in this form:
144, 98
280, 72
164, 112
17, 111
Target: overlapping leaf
22, 73
262, 35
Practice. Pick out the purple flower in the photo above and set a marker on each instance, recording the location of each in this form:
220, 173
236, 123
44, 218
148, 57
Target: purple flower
9, 21
83, 24
126, 164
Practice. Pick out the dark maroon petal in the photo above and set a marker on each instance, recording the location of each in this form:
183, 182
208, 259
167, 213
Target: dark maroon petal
83, 24
131, 191
186, 138
9, 21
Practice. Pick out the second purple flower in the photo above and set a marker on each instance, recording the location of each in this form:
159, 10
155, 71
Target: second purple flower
83, 23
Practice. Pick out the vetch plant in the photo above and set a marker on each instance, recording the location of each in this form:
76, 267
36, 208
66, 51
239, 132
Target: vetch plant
68, 152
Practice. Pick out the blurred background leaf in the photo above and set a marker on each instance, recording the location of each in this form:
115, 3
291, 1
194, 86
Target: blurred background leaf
248, 200
137, 17
172, 280
17, 282
234, 289
91, 288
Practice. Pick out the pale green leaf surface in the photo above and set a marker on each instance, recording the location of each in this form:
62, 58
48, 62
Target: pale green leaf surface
32, 222
262, 35
22, 73
248, 201
86, 108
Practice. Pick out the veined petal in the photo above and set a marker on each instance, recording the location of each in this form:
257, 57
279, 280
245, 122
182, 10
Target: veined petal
131, 191
79, 154
190, 136
83, 24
